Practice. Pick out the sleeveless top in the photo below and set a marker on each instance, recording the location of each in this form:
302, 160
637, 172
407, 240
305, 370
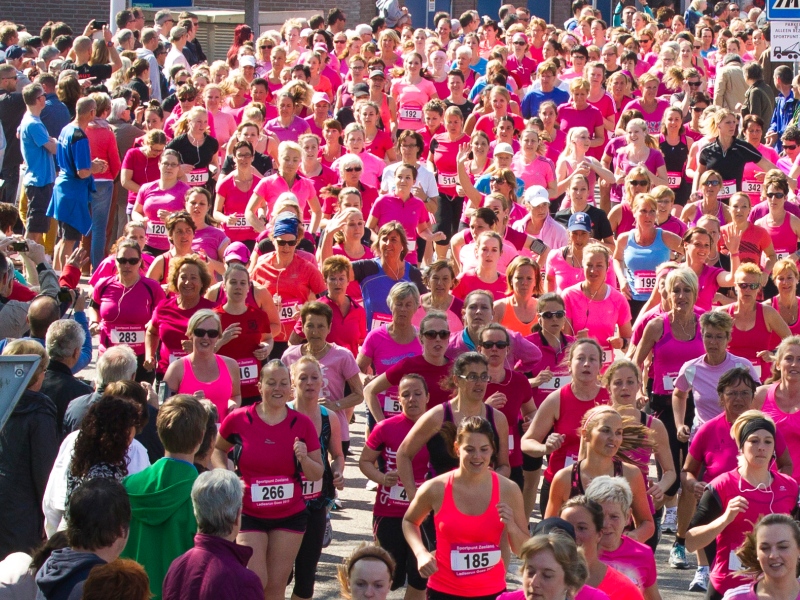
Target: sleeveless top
788, 424
675, 158
571, 411
669, 355
626, 219
512, 322
794, 327
784, 239
575, 483
441, 460
468, 548
250, 299
748, 344
699, 214
218, 391
640, 265
320, 493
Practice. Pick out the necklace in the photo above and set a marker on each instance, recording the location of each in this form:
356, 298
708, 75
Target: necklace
318, 353
683, 329
594, 295
396, 275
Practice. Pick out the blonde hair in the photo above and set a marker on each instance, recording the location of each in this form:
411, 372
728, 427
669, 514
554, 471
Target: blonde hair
182, 126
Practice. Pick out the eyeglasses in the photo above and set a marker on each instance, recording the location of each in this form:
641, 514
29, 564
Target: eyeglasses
353, 169
211, 333
188, 98
553, 314
698, 109
170, 165
777, 195
748, 286
128, 261
473, 377
339, 41
498, 345
286, 242
644, 41
639, 182
695, 83
785, 147
432, 335
712, 182
267, 47
244, 156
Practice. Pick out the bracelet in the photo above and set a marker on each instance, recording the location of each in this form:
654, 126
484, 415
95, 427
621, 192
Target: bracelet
734, 254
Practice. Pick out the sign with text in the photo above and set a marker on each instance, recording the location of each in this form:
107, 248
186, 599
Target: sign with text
785, 44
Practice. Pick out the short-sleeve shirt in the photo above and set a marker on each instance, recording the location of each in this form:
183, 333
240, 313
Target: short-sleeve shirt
153, 199
634, 560
599, 316
33, 136
433, 375
601, 227
144, 169
338, 365
125, 312
254, 323
273, 186
235, 203
296, 128
411, 98
730, 164
410, 213
267, 461
97, 73
590, 117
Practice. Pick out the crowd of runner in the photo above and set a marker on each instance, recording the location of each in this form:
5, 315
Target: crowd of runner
541, 259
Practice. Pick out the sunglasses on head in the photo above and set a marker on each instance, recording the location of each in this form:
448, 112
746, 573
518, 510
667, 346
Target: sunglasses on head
778, 195
639, 182
286, 242
442, 334
748, 286
553, 314
353, 169
128, 261
498, 345
211, 333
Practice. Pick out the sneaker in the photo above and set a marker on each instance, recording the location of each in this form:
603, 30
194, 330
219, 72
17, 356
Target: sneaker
700, 580
670, 522
326, 540
677, 557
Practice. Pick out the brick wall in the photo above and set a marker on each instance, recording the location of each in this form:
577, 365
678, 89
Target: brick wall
36, 13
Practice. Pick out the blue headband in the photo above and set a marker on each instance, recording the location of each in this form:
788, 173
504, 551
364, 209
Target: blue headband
286, 222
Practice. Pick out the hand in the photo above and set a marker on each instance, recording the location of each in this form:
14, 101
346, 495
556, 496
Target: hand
616, 342
390, 479
186, 346
162, 214
263, 350
232, 219
772, 138
99, 166
337, 222
138, 114
94, 328
543, 377
200, 395
582, 333
152, 397
231, 333
505, 513
80, 302
338, 480
737, 505
583, 168
36, 252
733, 239
699, 489
497, 400
759, 175
641, 400
78, 259
107, 35
300, 450
426, 564
187, 169
656, 493
439, 236
149, 363
553, 442
683, 433
626, 290
766, 355
463, 152
419, 193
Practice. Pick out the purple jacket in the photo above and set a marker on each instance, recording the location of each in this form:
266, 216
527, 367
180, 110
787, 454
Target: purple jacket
522, 354
215, 569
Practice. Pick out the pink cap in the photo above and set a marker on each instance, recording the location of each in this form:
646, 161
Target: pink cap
319, 97
236, 251
321, 46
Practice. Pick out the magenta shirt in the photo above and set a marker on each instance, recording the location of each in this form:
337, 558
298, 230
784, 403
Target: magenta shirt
143, 170
590, 117
654, 161
410, 213
385, 352
538, 172
108, 268
208, 240
634, 560
653, 119
153, 199
296, 128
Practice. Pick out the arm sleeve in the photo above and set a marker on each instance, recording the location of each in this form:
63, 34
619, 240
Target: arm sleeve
70, 277
48, 282
709, 508
86, 350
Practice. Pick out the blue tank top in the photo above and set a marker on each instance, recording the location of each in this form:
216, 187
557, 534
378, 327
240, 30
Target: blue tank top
375, 291
641, 263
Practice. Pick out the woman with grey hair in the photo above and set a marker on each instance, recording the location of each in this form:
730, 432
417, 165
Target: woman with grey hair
216, 566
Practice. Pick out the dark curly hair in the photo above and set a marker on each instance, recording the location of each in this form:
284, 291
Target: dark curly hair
104, 434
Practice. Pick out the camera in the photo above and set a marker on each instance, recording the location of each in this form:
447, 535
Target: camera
19, 246
65, 295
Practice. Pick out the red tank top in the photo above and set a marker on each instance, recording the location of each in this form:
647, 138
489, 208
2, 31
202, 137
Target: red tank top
571, 411
468, 548
748, 344
218, 391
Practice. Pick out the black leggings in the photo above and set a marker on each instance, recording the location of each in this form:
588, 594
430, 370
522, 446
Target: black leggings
305, 565
661, 407
544, 496
448, 215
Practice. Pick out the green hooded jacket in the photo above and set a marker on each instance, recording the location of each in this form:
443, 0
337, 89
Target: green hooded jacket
162, 518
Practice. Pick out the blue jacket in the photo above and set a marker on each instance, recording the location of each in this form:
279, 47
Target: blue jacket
785, 107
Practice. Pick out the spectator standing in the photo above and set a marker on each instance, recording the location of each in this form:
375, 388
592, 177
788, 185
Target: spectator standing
759, 99
12, 110
785, 106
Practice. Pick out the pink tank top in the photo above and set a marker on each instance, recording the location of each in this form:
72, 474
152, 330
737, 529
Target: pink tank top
626, 220
794, 328
783, 238
218, 391
669, 355
788, 424
748, 344
468, 547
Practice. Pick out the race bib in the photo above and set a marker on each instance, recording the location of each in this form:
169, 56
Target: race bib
734, 564
272, 491
197, 177
248, 370
728, 188
472, 559
757, 369
171, 358
781, 255
408, 113
133, 335
570, 460
644, 281
156, 229
289, 312
751, 187
556, 383
239, 223
669, 382
447, 180
412, 245
310, 489
608, 357
380, 318
398, 493
391, 406
674, 180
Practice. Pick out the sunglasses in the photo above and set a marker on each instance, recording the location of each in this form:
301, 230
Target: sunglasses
128, 261
698, 109
714, 182
432, 335
244, 156
498, 345
639, 182
498, 180
286, 242
267, 47
695, 83
778, 195
339, 41
519, 43
353, 169
211, 333
644, 41
748, 286
188, 99
785, 147
553, 314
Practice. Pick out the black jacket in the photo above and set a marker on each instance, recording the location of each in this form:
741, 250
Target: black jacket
28, 448
61, 386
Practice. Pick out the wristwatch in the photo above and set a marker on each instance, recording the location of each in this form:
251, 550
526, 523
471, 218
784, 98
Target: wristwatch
110, 44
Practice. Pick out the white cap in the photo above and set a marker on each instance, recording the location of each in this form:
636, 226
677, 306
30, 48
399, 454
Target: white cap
536, 195
503, 148
247, 61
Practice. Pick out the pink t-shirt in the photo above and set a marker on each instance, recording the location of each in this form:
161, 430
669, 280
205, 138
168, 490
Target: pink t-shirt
538, 172
235, 202
590, 117
587, 592
273, 186
565, 274
373, 169
386, 438
653, 119
749, 184
125, 312
470, 262
410, 213
410, 99
208, 240
144, 169
224, 128
153, 199
487, 125
634, 560
599, 316
385, 352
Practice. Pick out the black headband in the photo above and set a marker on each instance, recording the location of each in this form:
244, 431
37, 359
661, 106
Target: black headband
755, 425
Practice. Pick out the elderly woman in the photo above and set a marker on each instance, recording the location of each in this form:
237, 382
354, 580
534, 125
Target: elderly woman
166, 334
292, 281
595, 308
755, 325
734, 500
786, 277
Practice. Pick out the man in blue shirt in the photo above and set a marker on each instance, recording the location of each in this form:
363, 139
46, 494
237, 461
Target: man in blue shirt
38, 149
785, 106
534, 98
55, 115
